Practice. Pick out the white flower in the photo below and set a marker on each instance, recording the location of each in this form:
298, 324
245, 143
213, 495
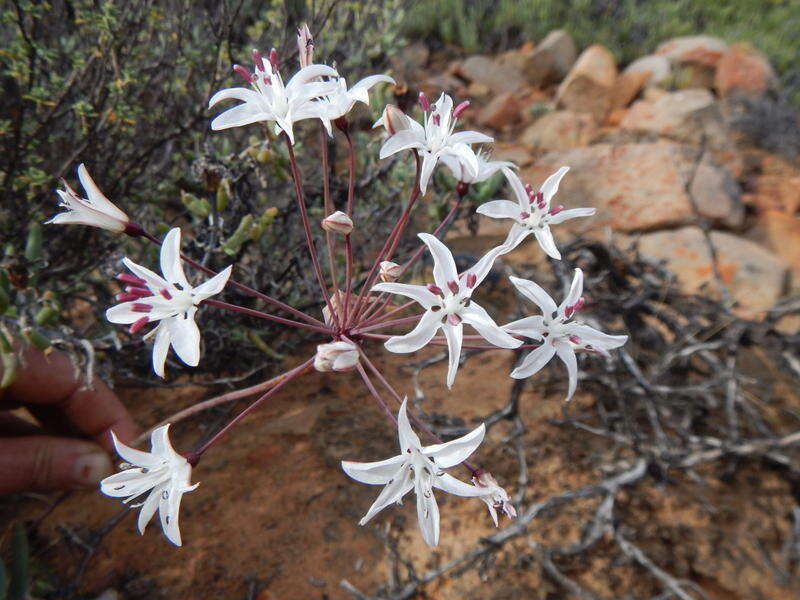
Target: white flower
170, 300
532, 213
162, 472
436, 139
338, 222
559, 333
342, 100
486, 168
420, 469
336, 356
96, 210
448, 305
270, 100
493, 495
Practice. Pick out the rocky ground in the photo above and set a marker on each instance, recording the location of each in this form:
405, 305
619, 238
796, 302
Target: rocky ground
630, 491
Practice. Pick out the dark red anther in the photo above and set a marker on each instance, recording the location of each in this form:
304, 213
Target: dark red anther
453, 319
568, 311
435, 289
135, 281
453, 286
166, 294
273, 59
243, 73
127, 297
138, 324
424, 102
472, 279
437, 120
267, 79
529, 189
579, 304
141, 307
524, 215
138, 292
259, 62
459, 110
574, 339
556, 210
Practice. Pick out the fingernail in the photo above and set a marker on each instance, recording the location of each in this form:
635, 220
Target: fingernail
91, 468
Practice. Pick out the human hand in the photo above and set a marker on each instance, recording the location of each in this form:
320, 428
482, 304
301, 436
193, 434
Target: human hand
69, 449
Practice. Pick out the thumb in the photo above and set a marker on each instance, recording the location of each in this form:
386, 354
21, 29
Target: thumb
46, 463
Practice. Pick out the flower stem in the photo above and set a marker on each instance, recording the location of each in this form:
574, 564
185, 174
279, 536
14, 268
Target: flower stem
328, 203
391, 323
263, 315
348, 244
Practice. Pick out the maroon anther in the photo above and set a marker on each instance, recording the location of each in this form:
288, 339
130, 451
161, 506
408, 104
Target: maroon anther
472, 279
574, 339
568, 311
243, 73
138, 292
267, 79
529, 189
138, 324
435, 289
437, 120
453, 286
135, 281
165, 293
127, 297
539, 197
556, 210
424, 102
141, 307
524, 215
579, 304
459, 110
273, 59
259, 62
453, 319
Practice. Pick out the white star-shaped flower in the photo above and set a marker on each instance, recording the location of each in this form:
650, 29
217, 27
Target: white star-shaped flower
162, 472
448, 305
420, 469
532, 213
270, 100
171, 300
559, 333
342, 101
486, 167
436, 139
96, 210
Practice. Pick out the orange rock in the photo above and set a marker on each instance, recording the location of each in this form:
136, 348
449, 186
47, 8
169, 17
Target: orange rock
589, 86
743, 70
780, 232
502, 111
628, 86
560, 130
695, 49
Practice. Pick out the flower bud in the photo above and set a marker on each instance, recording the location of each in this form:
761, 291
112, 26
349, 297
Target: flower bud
393, 119
336, 356
390, 271
338, 222
305, 45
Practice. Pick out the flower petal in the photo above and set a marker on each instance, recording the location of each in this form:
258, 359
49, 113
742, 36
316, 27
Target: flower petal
148, 508
132, 455
455, 336
575, 291
545, 238
169, 512
213, 286
407, 437
444, 267
534, 361
535, 294
530, 327
550, 185
571, 213
418, 337
427, 513
160, 348
243, 114
374, 473
393, 492
402, 140
451, 485
429, 161
599, 340
238, 93
499, 209
470, 137
153, 281
454, 452
567, 355
519, 190
185, 338
477, 316
171, 262
416, 292
96, 197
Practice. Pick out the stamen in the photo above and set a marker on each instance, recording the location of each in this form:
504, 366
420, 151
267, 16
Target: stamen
243, 73
459, 110
138, 292
127, 297
259, 62
556, 210
165, 293
471, 280
453, 286
273, 59
568, 311
580, 303
437, 120
138, 325
141, 307
524, 215
267, 79
574, 339
126, 278
435, 289
529, 189
453, 319
424, 102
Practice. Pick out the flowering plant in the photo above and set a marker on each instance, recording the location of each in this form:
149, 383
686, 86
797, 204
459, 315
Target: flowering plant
354, 310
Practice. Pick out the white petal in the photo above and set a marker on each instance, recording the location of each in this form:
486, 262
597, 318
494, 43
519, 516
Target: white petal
159, 442
427, 514
87, 216
416, 292
407, 437
153, 281
454, 452
370, 81
418, 337
477, 316
169, 512
455, 336
546, 241
467, 157
243, 114
129, 483
123, 314
484, 265
97, 198
185, 338
374, 473
171, 262
213, 286
393, 492
530, 327
518, 189
402, 140
499, 209
148, 509
515, 236
550, 186
535, 294
470, 137
534, 361
454, 486
444, 267
575, 291
567, 355
571, 213
134, 456
429, 161
310, 72
160, 348
239, 93
598, 339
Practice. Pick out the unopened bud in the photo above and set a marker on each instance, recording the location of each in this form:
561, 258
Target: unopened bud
390, 271
393, 119
459, 110
338, 222
424, 102
336, 356
305, 45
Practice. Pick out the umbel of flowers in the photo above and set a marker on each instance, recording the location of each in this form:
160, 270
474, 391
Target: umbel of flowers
350, 320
